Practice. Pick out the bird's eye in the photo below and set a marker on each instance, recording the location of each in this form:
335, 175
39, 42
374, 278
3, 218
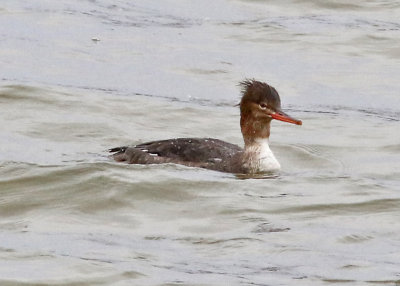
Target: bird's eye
263, 106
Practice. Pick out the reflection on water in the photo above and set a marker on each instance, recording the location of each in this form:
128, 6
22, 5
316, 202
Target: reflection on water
72, 216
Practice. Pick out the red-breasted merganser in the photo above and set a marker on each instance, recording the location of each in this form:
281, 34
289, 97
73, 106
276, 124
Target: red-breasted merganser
260, 104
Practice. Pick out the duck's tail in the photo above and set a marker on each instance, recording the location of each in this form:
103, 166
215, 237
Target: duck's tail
118, 153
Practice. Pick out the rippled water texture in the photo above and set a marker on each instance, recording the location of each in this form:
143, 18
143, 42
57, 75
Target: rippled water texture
79, 77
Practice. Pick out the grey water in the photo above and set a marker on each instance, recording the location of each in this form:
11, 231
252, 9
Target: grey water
79, 77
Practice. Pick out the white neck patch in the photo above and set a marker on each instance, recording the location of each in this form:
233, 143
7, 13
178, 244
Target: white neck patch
259, 157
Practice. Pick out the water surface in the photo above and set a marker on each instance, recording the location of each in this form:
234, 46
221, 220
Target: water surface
83, 76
